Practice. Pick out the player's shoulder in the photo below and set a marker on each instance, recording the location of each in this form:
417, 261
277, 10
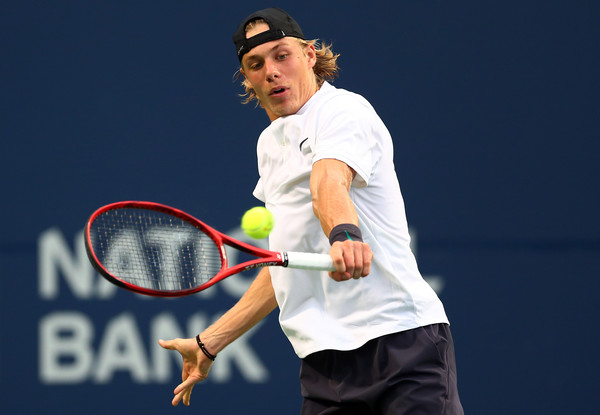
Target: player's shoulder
329, 92
333, 99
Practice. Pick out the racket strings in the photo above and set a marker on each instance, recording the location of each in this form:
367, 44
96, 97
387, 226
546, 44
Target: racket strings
154, 250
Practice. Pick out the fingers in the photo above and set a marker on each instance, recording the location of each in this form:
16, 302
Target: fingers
183, 392
187, 395
352, 259
184, 395
177, 399
194, 370
167, 344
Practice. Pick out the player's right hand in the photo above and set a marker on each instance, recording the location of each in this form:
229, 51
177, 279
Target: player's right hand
195, 367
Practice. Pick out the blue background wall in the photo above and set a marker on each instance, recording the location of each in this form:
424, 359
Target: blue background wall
494, 112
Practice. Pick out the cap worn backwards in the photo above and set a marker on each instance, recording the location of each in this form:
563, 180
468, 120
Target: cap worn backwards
280, 24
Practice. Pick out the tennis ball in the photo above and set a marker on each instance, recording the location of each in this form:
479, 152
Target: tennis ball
257, 222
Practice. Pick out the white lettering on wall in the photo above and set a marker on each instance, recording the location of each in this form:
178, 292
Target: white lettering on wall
67, 354
121, 349
55, 258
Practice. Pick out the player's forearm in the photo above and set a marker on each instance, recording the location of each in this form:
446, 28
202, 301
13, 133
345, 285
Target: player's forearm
330, 182
254, 305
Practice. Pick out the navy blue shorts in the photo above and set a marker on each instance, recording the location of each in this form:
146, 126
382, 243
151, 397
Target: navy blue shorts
407, 373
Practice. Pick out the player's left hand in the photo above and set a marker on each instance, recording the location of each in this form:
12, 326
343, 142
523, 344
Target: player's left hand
352, 259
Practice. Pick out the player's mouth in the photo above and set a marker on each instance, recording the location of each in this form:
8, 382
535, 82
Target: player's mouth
277, 91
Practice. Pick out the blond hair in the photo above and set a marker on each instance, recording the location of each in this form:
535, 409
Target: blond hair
325, 68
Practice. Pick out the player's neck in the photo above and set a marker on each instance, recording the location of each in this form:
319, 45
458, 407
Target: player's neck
273, 116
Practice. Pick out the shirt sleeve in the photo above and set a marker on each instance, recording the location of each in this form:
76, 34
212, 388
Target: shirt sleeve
345, 133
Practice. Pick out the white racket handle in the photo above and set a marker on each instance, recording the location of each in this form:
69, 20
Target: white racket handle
303, 260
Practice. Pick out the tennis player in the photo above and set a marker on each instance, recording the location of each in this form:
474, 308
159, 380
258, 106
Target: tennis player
373, 336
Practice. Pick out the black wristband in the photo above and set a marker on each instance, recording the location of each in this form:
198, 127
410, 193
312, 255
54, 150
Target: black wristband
203, 348
343, 232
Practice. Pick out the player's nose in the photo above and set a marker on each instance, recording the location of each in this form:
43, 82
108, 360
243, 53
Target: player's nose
272, 70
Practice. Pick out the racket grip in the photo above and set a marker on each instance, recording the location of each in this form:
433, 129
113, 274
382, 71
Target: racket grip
303, 260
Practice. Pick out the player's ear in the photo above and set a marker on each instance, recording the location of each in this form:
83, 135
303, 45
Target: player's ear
311, 54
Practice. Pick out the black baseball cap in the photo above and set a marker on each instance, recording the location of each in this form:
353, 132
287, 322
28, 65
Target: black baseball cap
280, 24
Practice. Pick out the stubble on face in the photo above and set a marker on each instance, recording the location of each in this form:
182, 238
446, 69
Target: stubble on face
281, 73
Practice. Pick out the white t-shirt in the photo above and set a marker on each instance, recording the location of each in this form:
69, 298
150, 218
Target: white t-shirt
317, 313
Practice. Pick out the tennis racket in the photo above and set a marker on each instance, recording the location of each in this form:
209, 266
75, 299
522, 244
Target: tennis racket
157, 250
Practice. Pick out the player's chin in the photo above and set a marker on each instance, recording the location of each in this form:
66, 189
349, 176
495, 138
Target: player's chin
283, 108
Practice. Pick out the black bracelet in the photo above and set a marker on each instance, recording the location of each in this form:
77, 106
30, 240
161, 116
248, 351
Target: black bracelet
203, 348
345, 231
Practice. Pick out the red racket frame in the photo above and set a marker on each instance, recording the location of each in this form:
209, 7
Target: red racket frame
265, 257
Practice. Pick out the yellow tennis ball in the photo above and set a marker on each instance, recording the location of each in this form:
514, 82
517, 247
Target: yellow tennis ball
257, 222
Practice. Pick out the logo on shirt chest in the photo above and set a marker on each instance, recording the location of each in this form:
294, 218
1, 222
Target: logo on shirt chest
302, 142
